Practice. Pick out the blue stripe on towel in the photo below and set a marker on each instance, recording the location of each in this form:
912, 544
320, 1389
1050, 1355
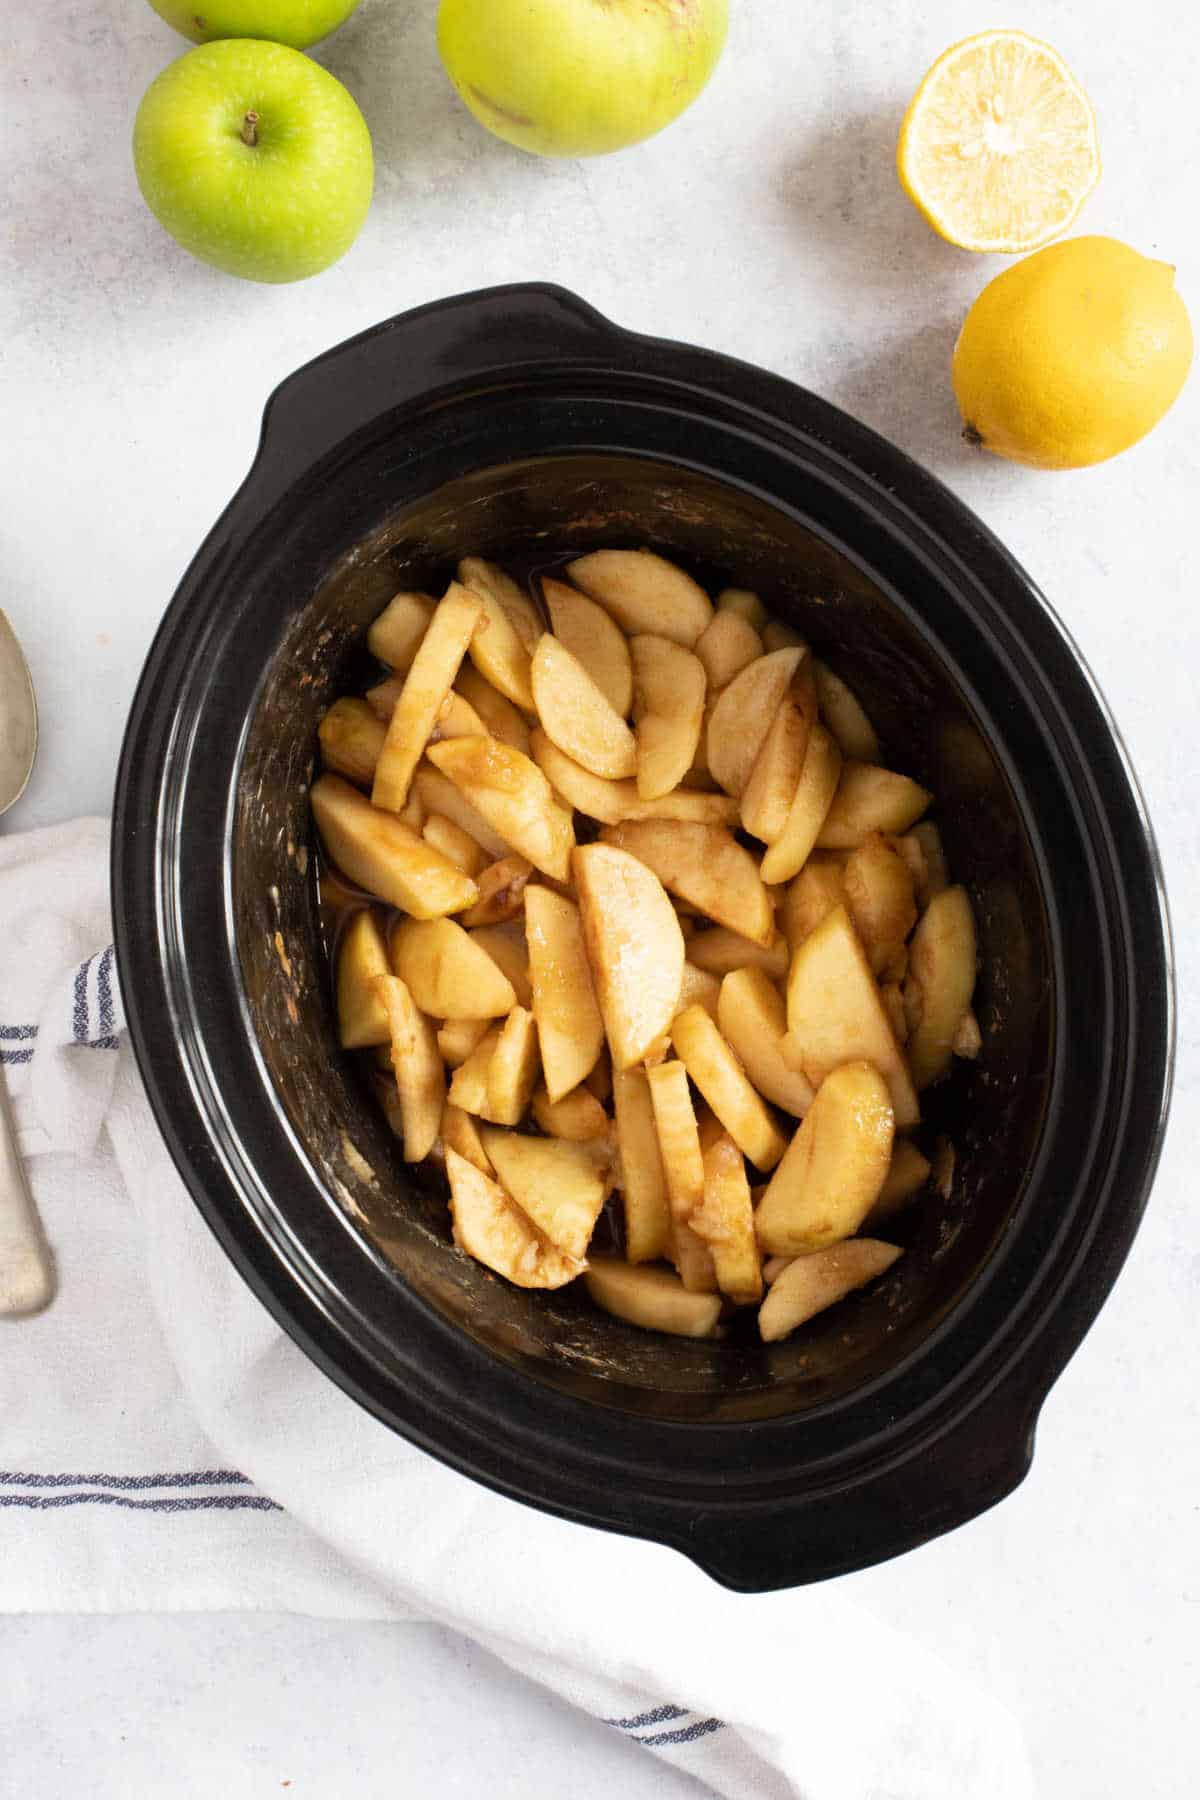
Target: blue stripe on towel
689, 1734
179, 1502
16, 1056
104, 990
181, 1479
18, 1031
79, 1013
659, 1714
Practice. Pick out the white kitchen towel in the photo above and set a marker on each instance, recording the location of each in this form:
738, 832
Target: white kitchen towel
164, 1446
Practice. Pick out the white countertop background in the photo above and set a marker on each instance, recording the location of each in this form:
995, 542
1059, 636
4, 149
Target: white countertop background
767, 223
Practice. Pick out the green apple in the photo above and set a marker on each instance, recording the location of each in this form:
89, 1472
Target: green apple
579, 77
254, 159
295, 22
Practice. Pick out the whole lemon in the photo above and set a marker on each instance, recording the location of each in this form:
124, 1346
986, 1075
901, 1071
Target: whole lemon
1072, 355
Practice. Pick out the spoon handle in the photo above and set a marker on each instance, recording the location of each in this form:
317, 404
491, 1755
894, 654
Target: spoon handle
26, 1278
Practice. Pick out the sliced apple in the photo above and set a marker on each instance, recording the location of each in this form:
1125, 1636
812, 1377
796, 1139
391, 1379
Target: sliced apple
420, 1079
753, 1021
506, 946
719, 950
437, 794
570, 1029
811, 896
968, 1039
742, 716
668, 712
835, 1014
560, 1186
498, 648
458, 1037
491, 582
870, 799
468, 1084
644, 592
879, 895
460, 1132
612, 801
835, 1166
600, 1081
845, 720
456, 718
491, 1227
578, 1116
942, 970
452, 841
704, 865
778, 636
634, 948
512, 1070
351, 739
500, 717
642, 1179
725, 1221
725, 646
383, 696
593, 639
395, 636
501, 891
384, 856
892, 995
447, 972
698, 988
747, 605
767, 797
576, 716
810, 1284
426, 686
810, 805
514, 797
655, 1299
720, 1077
933, 875
908, 1173
362, 958
683, 1167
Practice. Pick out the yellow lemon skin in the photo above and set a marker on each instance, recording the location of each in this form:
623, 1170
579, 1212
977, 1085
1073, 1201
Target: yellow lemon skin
1072, 355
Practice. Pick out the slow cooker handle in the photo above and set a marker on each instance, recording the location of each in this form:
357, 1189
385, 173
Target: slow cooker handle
416, 356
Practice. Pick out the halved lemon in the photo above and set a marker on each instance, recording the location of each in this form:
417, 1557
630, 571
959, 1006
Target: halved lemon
998, 148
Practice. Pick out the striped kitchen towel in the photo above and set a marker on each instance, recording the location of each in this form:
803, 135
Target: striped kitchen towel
163, 1446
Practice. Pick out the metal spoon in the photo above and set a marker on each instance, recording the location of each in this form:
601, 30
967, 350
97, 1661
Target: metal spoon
26, 1278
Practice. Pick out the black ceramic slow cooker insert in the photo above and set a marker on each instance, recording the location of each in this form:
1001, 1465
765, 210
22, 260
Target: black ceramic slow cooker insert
518, 423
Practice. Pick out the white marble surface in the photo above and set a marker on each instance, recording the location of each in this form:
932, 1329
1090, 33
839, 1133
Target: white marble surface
767, 223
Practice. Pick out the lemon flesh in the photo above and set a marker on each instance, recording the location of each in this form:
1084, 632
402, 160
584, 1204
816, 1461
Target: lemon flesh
1072, 355
998, 148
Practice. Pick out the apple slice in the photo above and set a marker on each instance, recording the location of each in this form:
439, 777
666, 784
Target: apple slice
468, 1084
655, 1299
704, 865
491, 1227
501, 891
747, 605
644, 592
362, 958
452, 841
499, 716
560, 1186
382, 855
383, 696
668, 712
753, 1021
575, 714
499, 649
600, 1081
845, 720
811, 896
810, 804
725, 646
512, 1070
593, 639
718, 1074
577, 1117
642, 1180
458, 1037
879, 895
456, 718
613, 801
351, 739
490, 581
908, 1174
870, 799
698, 988
835, 1014
771, 788
942, 979
426, 686
570, 1029
933, 874
514, 797
395, 637
460, 1132
742, 715
720, 950
634, 947
725, 1221
809, 1284
437, 794
892, 995
447, 973
506, 946
683, 1167
420, 1080
835, 1166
